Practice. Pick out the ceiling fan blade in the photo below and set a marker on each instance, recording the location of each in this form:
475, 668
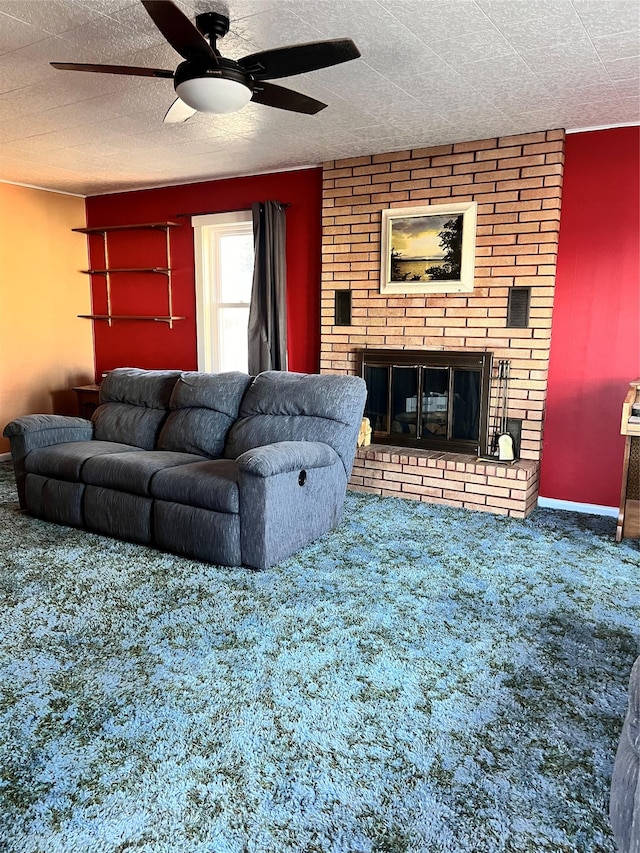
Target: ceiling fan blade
131, 70
179, 112
182, 35
285, 99
298, 58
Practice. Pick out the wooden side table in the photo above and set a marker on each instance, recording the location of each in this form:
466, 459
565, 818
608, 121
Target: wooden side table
88, 399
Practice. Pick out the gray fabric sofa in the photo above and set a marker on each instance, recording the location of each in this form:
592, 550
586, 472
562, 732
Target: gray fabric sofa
224, 468
624, 805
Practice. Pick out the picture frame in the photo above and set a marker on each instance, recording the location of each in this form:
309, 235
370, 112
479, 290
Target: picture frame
429, 249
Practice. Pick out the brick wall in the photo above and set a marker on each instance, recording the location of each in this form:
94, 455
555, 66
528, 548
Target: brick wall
517, 183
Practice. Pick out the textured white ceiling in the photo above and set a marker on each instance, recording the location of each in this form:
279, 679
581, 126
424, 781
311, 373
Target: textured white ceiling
431, 72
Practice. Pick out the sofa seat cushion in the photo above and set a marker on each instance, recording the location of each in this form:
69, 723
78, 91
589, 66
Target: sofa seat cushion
66, 461
208, 485
132, 472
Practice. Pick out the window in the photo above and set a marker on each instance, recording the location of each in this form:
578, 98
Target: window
224, 275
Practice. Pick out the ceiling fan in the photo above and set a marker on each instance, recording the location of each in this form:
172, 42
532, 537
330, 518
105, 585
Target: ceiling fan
207, 82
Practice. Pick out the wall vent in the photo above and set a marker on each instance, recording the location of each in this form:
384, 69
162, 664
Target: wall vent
342, 307
518, 307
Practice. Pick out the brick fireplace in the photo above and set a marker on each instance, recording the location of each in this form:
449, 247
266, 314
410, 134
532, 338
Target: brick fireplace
517, 184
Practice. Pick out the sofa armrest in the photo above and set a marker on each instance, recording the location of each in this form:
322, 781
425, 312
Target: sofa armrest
283, 457
33, 431
59, 428
290, 493
624, 803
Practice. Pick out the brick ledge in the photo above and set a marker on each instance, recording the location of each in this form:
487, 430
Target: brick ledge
453, 479
523, 469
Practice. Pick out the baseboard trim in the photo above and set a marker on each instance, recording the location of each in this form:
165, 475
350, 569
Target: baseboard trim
573, 506
5, 457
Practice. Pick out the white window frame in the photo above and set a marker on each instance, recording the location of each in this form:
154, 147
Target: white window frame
206, 232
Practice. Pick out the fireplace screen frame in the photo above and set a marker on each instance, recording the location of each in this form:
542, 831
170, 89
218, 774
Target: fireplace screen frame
480, 362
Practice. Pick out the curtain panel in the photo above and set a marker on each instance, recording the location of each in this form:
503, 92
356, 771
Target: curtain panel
268, 309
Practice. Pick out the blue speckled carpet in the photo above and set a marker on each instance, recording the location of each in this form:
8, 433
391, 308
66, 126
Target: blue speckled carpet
423, 680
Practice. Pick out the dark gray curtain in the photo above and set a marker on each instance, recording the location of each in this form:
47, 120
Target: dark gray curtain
268, 311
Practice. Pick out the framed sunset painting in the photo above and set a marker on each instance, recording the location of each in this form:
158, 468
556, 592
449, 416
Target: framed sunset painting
429, 249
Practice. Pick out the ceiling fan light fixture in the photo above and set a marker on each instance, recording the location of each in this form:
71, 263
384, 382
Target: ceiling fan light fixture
214, 94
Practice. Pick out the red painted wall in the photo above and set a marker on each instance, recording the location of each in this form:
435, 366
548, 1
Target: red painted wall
154, 345
595, 343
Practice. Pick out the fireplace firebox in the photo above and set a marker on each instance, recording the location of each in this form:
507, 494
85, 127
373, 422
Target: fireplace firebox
436, 400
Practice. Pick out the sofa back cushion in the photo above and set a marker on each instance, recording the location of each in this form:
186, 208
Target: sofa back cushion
133, 405
281, 406
203, 407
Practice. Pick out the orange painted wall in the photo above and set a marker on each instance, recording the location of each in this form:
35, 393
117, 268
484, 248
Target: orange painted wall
45, 349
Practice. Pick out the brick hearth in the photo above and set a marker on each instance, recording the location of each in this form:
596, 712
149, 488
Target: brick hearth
454, 479
517, 183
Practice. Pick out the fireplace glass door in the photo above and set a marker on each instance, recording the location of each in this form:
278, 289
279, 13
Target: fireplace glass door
404, 401
436, 400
